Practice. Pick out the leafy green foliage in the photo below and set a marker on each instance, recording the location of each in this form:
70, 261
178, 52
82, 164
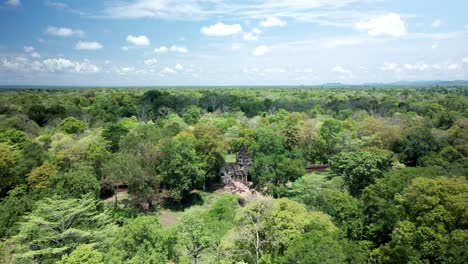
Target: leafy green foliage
180, 168
56, 227
75, 183
72, 125
83, 254
434, 229
360, 169
141, 240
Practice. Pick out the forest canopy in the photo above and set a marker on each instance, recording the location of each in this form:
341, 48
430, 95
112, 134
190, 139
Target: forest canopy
334, 175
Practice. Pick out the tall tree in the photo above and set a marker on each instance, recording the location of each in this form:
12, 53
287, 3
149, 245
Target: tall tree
56, 227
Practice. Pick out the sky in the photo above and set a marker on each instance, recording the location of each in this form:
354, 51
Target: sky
231, 42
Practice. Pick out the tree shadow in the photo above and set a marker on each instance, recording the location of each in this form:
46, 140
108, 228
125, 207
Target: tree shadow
194, 198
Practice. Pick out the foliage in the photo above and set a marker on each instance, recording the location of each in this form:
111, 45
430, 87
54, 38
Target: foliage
141, 240
75, 183
83, 254
72, 125
180, 167
360, 169
56, 227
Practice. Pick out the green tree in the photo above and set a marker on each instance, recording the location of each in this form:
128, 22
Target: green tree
13, 207
75, 183
360, 169
39, 177
418, 143
315, 247
180, 167
434, 228
192, 114
56, 227
83, 254
380, 209
8, 157
194, 233
141, 241
72, 125
143, 184
210, 147
113, 134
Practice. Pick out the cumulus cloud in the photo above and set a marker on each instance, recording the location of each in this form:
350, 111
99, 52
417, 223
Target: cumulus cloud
436, 23
150, 62
173, 48
49, 65
64, 32
85, 45
13, 3
60, 65
273, 22
221, 29
453, 67
31, 51
179, 67
390, 24
344, 72
465, 60
141, 40
168, 70
161, 49
261, 50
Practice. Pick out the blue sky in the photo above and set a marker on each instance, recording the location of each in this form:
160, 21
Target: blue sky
227, 42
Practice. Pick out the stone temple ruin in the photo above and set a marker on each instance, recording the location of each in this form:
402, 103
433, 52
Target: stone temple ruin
237, 171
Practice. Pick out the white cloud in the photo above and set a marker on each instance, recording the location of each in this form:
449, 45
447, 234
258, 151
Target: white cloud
31, 51
221, 29
13, 3
35, 55
236, 46
168, 70
141, 40
275, 70
390, 24
64, 32
28, 49
125, 70
85, 45
161, 49
179, 49
273, 22
390, 66
173, 48
435, 45
151, 61
308, 70
179, 67
59, 65
344, 72
453, 67
465, 60
436, 23
418, 67
261, 50
249, 36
